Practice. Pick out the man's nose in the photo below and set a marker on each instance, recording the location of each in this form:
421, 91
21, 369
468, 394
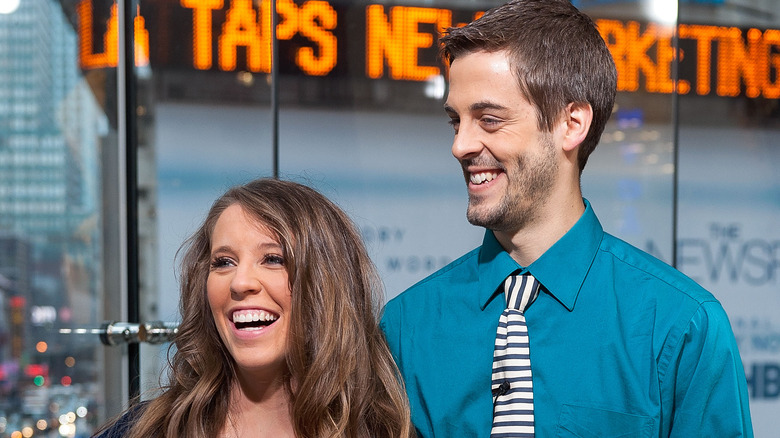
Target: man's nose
466, 143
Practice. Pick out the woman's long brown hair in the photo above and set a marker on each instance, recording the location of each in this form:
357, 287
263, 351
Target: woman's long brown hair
342, 378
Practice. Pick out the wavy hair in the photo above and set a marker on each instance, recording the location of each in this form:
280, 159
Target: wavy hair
557, 54
342, 379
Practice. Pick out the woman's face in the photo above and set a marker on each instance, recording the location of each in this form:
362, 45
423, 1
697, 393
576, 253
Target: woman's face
249, 293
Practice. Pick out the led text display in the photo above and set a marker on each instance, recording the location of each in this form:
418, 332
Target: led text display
321, 38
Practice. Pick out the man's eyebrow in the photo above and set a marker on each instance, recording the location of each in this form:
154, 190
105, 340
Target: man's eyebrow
483, 105
477, 106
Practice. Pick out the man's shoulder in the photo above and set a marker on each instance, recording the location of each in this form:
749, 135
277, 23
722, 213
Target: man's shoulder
453, 275
653, 271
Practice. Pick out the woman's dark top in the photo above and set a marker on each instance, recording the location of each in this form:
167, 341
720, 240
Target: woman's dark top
122, 425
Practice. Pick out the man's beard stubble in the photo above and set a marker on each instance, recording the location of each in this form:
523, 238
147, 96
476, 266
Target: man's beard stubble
528, 187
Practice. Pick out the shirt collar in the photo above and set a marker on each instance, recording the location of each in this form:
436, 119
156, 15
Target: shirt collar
495, 265
561, 269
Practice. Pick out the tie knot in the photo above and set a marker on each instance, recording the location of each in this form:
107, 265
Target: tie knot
520, 291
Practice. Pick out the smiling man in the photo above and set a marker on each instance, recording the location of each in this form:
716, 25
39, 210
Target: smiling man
553, 327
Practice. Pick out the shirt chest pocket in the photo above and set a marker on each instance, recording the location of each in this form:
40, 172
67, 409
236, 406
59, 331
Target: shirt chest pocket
585, 422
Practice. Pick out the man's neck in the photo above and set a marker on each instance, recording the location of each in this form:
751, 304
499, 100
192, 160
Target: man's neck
530, 242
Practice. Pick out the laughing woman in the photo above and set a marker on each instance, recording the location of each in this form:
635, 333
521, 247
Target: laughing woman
279, 334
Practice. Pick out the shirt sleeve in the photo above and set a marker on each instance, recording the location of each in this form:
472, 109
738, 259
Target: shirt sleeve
709, 391
391, 325
388, 324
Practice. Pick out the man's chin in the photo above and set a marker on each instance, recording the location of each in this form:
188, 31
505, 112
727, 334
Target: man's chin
482, 218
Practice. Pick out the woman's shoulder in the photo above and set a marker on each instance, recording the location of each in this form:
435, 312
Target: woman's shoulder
121, 426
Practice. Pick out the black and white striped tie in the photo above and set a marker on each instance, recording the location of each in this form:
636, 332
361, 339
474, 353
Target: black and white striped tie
513, 398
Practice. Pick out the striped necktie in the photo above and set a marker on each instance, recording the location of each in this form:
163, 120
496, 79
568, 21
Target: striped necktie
513, 404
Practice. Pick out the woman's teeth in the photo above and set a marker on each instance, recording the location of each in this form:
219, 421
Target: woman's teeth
245, 316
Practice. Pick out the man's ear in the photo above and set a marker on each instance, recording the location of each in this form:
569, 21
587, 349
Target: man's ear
578, 117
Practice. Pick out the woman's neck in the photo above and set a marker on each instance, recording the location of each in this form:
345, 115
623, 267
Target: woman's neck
259, 409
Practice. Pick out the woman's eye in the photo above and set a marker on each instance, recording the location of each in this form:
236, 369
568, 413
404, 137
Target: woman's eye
274, 259
221, 262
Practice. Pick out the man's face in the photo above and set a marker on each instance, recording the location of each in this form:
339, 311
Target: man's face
508, 163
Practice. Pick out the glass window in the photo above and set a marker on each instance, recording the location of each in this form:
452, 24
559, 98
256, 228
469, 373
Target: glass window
729, 192
205, 123
54, 128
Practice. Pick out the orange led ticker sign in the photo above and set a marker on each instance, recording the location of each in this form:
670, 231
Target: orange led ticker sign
399, 43
725, 58
110, 56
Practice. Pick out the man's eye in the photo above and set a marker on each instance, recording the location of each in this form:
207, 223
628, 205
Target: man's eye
491, 124
454, 123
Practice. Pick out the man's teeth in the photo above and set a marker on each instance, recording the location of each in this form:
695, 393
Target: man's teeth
479, 178
253, 316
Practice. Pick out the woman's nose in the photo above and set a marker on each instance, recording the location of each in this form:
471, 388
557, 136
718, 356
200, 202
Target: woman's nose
245, 280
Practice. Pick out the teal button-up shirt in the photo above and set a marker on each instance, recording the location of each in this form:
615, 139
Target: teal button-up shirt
622, 344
